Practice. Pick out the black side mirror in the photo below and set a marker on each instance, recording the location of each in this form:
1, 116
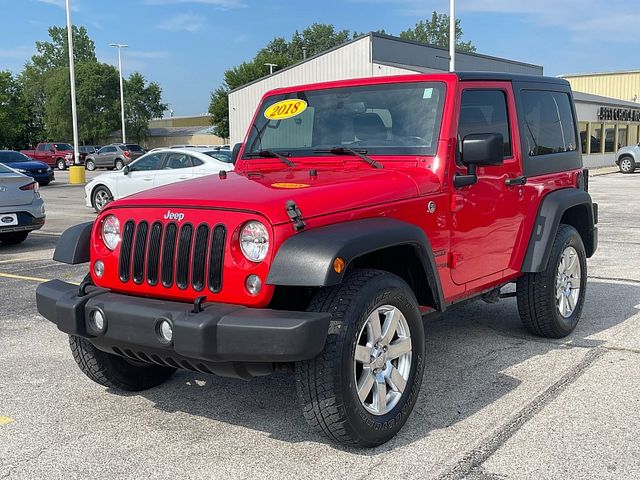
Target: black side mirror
235, 152
479, 149
126, 170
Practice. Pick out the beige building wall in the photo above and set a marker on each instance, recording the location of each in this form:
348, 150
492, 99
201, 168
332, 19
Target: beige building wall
193, 121
620, 85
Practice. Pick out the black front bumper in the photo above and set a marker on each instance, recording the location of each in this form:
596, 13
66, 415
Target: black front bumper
215, 340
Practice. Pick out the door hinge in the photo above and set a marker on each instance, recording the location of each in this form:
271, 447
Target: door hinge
295, 215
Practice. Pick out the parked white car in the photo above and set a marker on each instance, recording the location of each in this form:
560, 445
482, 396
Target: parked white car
628, 158
153, 169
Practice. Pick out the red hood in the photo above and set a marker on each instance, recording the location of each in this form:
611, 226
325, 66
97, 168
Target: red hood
267, 193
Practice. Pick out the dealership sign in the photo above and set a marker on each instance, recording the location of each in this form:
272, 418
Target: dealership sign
623, 114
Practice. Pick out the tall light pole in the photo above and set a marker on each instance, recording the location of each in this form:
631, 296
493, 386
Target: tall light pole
72, 78
452, 36
120, 46
271, 67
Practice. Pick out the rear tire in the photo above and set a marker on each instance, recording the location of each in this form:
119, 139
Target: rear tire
13, 238
119, 165
116, 372
547, 302
359, 391
61, 164
627, 164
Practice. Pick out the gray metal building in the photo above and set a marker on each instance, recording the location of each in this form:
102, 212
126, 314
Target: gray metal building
371, 55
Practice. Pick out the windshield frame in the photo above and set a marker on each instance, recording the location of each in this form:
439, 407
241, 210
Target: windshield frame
259, 123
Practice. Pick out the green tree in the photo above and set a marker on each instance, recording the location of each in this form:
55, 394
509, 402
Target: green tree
54, 53
142, 102
15, 124
435, 31
316, 38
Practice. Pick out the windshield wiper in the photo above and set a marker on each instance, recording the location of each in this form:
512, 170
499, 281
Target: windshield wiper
351, 151
271, 154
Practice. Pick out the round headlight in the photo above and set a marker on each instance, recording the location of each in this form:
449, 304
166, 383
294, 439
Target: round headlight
111, 232
254, 241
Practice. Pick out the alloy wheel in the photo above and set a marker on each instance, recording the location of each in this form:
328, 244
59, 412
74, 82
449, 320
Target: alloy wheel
100, 199
568, 282
382, 359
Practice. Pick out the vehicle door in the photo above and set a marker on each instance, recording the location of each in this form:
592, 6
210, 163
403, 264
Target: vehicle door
140, 175
105, 156
43, 153
177, 167
488, 215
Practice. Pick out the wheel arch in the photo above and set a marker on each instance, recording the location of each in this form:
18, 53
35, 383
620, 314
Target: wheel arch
306, 259
629, 153
568, 206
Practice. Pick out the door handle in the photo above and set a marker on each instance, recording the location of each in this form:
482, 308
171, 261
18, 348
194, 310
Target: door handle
510, 182
182, 177
148, 179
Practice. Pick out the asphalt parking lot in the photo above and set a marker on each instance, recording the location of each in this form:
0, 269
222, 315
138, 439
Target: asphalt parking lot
496, 403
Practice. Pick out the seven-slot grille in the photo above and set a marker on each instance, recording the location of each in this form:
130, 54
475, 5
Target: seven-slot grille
171, 254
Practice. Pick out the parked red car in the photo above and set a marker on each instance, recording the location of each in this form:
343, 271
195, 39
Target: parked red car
53, 154
355, 209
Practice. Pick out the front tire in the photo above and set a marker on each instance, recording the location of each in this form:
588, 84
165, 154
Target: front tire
44, 184
116, 372
13, 238
60, 164
90, 165
362, 388
627, 164
100, 197
550, 302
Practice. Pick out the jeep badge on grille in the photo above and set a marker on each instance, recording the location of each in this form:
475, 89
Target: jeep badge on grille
173, 216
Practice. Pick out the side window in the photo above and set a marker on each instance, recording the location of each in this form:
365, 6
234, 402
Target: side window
43, 147
175, 161
485, 111
146, 163
196, 162
549, 122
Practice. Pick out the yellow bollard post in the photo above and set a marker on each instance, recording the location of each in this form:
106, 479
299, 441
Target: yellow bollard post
76, 174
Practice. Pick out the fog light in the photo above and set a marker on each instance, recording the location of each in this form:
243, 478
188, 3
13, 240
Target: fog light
98, 321
98, 268
253, 284
165, 331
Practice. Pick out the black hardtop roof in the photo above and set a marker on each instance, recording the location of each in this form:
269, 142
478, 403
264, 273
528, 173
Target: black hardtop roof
510, 77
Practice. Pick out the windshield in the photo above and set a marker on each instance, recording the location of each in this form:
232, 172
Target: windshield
13, 157
387, 119
63, 147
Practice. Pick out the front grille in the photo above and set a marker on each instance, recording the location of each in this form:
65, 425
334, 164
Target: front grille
169, 254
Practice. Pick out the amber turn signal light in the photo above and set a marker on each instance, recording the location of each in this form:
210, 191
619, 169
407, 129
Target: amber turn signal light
339, 264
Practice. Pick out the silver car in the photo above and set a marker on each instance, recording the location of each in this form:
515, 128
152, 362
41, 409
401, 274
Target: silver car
116, 155
628, 158
21, 207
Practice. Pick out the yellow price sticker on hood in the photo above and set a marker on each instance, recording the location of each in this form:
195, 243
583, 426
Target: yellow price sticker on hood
285, 109
290, 185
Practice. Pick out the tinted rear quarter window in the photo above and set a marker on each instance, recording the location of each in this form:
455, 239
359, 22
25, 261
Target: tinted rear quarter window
550, 127
132, 147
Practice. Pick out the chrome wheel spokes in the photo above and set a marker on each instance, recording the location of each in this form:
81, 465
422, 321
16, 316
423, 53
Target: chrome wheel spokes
568, 279
382, 359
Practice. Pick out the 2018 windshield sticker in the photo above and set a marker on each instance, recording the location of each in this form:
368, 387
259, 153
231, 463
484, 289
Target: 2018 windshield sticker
285, 109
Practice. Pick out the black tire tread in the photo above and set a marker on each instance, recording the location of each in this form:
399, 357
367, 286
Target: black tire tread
113, 371
534, 306
321, 404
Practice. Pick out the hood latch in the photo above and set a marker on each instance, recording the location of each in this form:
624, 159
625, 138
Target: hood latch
295, 215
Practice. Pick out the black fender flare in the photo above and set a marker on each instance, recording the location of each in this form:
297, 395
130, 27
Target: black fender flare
306, 259
545, 228
74, 244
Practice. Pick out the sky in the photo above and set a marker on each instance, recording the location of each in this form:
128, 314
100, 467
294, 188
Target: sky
186, 45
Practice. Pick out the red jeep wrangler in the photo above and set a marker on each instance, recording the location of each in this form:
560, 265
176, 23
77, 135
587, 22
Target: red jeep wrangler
356, 209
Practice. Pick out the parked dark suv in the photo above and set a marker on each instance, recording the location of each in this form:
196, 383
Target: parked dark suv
116, 155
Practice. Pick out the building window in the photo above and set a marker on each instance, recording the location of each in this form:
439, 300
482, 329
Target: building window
596, 138
609, 139
583, 136
623, 135
633, 134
